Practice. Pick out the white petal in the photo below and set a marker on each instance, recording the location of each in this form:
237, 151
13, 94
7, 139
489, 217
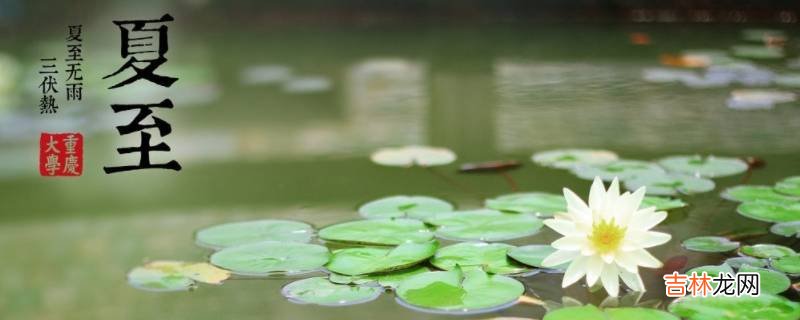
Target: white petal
572, 243
645, 259
597, 194
559, 257
575, 205
627, 261
610, 279
594, 266
632, 280
652, 239
574, 272
611, 202
630, 206
645, 219
608, 257
564, 227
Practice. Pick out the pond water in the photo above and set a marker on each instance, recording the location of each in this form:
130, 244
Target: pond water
254, 146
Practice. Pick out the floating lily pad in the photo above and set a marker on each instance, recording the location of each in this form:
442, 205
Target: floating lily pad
789, 186
491, 257
738, 262
787, 264
670, 184
568, 158
710, 244
622, 169
765, 306
590, 312
770, 212
357, 261
320, 291
422, 156
711, 270
707, 167
378, 232
454, 292
540, 203
484, 225
387, 280
761, 35
662, 203
772, 282
231, 234
757, 52
271, 257
788, 80
533, 255
155, 279
766, 251
751, 193
417, 207
786, 229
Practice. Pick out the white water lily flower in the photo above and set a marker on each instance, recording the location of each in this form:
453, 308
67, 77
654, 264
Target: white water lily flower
606, 239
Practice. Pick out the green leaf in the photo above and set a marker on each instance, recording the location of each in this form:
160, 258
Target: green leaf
787, 264
590, 312
622, 169
271, 257
568, 158
706, 167
320, 291
491, 257
738, 262
472, 291
711, 270
765, 306
770, 212
386, 280
357, 261
378, 232
236, 233
156, 279
670, 184
484, 225
757, 52
407, 156
540, 203
533, 255
772, 282
710, 244
789, 186
787, 229
752, 193
766, 251
662, 203
416, 207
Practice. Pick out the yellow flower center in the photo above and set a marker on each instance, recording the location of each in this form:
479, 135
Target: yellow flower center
606, 236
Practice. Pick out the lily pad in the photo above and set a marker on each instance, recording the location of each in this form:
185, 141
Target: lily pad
387, 280
491, 257
786, 229
590, 312
320, 291
738, 262
662, 203
533, 255
789, 186
236, 233
765, 306
156, 279
757, 52
271, 257
761, 35
670, 184
540, 203
710, 244
484, 225
788, 80
622, 169
707, 167
454, 292
408, 156
772, 282
751, 193
378, 232
766, 251
568, 158
417, 207
711, 270
357, 261
787, 264
770, 212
